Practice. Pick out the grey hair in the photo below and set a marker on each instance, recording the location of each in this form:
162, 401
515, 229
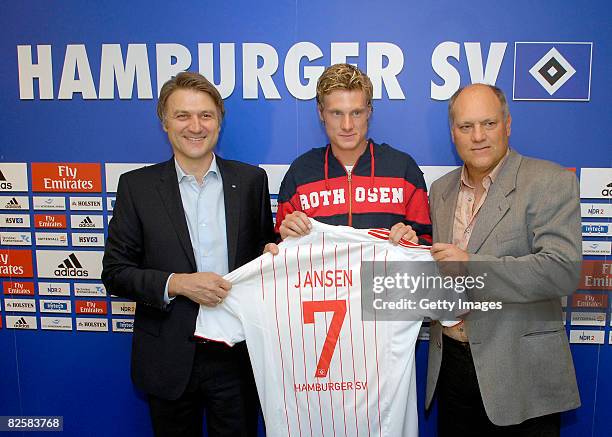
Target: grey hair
496, 90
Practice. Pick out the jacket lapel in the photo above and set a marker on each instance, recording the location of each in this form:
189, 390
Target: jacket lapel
231, 196
169, 191
497, 203
446, 211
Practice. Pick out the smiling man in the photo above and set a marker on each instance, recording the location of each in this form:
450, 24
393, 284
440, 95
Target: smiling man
516, 219
177, 228
352, 180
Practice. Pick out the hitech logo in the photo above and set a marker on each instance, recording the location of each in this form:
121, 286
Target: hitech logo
596, 230
91, 307
71, 267
552, 71
123, 325
55, 306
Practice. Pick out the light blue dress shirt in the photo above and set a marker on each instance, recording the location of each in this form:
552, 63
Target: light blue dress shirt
204, 207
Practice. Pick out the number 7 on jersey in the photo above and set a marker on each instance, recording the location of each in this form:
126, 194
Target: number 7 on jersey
338, 307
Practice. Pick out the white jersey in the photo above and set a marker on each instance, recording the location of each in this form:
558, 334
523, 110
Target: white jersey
320, 369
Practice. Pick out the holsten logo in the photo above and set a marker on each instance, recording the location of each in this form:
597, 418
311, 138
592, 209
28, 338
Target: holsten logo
50, 221
90, 307
20, 288
16, 263
69, 264
86, 203
66, 177
91, 324
24, 305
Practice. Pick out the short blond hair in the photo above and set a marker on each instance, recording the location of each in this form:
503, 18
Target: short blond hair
188, 80
344, 77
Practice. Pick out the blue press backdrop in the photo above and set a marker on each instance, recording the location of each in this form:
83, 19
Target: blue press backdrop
84, 376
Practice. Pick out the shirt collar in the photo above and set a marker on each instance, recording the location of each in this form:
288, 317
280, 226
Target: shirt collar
488, 179
180, 173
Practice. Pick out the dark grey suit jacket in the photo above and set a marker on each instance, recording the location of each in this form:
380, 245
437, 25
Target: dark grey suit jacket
148, 239
528, 231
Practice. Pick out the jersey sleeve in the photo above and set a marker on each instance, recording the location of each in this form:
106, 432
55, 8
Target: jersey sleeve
417, 206
223, 323
287, 198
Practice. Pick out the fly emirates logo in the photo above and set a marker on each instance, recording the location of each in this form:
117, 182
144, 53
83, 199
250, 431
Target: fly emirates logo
62, 177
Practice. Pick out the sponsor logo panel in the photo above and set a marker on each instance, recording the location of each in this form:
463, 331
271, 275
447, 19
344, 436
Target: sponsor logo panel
20, 305
19, 288
593, 229
56, 323
16, 263
123, 325
50, 221
69, 264
78, 221
51, 239
114, 170
588, 319
587, 336
596, 210
85, 239
50, 203
596, 275
54, 289
92, 324
21, 322
597, 248
580, 300
89, 290
596, 183
86, 203
14, 202
552, 71
13, 176
14, 221
91, 307
66, 177
55, 306
16, 238
110, 203
123, 308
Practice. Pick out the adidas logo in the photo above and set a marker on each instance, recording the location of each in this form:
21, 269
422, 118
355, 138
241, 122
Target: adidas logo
21, 323
13, 204
71, 267
87, 222
607, 191
4, 184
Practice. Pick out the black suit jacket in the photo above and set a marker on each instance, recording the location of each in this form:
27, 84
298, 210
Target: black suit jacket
148, 239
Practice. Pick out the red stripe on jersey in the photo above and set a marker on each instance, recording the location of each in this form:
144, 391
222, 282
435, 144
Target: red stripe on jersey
327, 330
297, 408
303, 343
314, 334
280, 348
365, 357
348, 263
340, 338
